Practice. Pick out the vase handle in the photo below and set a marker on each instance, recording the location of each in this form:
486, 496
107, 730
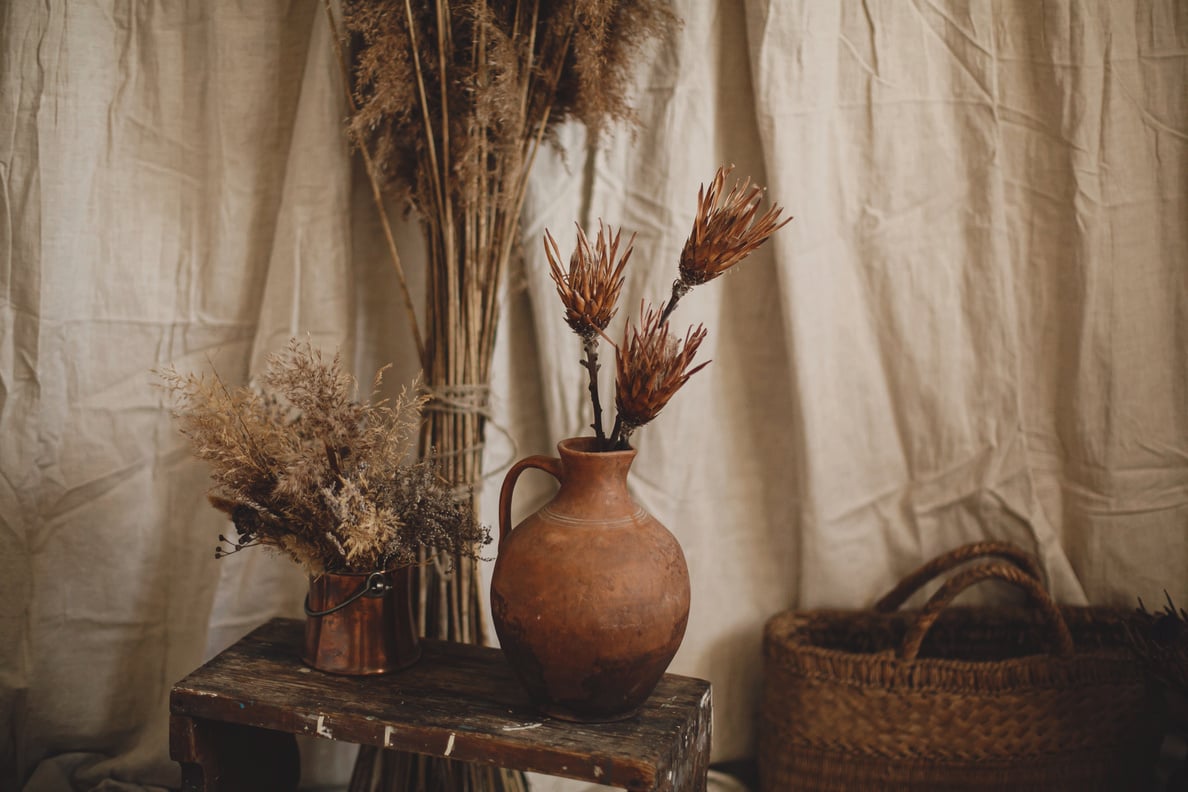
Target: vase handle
550, 465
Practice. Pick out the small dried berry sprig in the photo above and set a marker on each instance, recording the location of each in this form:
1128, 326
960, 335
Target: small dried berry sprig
650, 364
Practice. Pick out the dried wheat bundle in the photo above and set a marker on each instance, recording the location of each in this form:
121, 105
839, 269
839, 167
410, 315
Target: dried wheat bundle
304, 467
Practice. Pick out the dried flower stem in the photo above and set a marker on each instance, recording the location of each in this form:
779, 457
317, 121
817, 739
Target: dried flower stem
679, 290
377, 195
590, 363
618, 440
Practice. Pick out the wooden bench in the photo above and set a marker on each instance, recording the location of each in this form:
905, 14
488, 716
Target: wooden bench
233, 720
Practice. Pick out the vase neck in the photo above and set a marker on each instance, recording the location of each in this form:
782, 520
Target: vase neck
593, 481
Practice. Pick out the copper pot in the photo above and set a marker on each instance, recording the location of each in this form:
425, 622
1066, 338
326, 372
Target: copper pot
361, 623
590, 595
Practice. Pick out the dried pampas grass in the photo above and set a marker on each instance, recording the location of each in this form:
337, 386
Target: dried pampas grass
304, 467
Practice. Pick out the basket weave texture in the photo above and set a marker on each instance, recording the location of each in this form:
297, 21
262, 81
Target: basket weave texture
956, 698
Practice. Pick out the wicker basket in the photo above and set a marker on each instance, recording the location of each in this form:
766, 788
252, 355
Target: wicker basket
956, 698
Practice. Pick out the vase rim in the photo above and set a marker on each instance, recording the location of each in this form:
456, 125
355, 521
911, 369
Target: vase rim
584, 446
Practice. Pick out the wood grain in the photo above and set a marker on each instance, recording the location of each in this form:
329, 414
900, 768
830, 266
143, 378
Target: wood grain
460, 701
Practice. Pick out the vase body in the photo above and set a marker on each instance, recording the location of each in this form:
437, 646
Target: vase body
361, 623
590, 595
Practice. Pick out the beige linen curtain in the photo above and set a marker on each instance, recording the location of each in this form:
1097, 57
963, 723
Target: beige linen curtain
976, 326
175, 191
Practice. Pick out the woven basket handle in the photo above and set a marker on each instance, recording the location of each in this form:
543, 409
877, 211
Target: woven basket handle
955, 557
1062, 638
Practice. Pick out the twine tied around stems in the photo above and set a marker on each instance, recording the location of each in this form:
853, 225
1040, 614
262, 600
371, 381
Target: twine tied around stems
468, 399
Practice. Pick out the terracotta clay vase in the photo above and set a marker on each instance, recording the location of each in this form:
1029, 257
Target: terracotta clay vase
361, 623
590, 595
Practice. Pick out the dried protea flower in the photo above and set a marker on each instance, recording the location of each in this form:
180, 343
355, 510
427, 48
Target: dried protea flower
726, 229
650, 367
590, 289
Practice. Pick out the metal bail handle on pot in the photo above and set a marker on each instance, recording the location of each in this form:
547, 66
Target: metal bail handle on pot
361, 623
590, 594
376, 585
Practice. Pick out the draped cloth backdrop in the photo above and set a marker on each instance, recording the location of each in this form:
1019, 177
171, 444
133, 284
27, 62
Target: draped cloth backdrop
976, 326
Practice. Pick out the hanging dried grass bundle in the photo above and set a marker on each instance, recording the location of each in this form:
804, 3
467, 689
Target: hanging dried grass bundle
303, 467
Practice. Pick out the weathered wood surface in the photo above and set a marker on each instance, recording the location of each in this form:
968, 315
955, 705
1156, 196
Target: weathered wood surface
231, 757
459, 701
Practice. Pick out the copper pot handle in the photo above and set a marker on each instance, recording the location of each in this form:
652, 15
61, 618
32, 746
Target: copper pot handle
915, 580
376, 585
550, 465
1062, 639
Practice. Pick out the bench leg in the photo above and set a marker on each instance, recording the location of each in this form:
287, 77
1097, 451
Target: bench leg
227, 757
690, 771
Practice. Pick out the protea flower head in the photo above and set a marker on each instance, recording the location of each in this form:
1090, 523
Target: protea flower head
590, 289
651, 367
726, 229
